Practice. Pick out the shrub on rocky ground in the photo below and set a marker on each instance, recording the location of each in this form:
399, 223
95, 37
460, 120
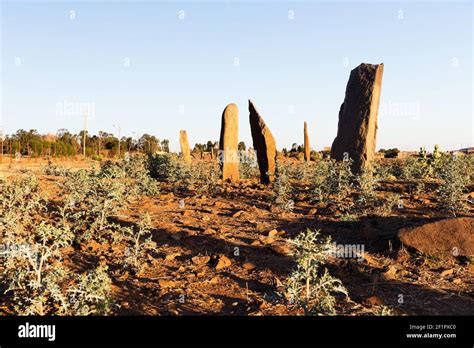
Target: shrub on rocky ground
282, 188
310, 286
455, 174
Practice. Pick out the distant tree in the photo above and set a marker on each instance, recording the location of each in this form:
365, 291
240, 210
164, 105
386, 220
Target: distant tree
165, 145
242, 146
209, 146
199, 147
391, 153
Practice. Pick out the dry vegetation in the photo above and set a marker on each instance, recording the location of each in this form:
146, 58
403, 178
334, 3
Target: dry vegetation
152, 235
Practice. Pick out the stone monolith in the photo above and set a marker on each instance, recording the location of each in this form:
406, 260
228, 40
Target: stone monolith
357, 127
228, 143
263, 144
184, 143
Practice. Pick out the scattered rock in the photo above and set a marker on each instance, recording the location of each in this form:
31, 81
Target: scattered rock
218, 204
357, 128
373, 301
223, 262
237, 214
171, 257
166, 283
445, 239
248, 266
282, 249
312, 211
266, 240
272, 233
390, 274
321, 205
447, 272
200, 260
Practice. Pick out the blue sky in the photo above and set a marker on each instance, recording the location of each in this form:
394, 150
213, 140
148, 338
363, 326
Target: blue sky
161, 66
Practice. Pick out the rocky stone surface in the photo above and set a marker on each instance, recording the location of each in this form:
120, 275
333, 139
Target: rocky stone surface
184, 143
445, 238
357, 127
264, 145
228, 143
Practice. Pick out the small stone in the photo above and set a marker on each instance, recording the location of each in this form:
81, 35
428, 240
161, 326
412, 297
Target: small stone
281, 249
390, 274
373, 301
447, 272
200, 260
218, 204
237, 214
223, 262
457, 281
266, 240
272, 233
171, 257
166, 283
312, 211
248, 266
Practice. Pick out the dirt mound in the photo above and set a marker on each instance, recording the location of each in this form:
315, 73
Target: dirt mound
445, 238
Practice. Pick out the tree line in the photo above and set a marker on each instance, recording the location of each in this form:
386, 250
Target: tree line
67, 144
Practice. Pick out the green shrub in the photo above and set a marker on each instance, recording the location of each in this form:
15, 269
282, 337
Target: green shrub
138, 242
309, 286
456, 175
332, 181
282, 189
366, 184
